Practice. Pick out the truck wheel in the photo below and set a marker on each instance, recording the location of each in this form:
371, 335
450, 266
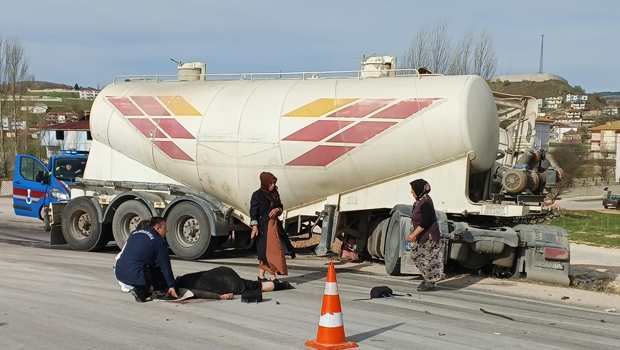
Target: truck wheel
393, 243
80, 226
189, 231
126, 219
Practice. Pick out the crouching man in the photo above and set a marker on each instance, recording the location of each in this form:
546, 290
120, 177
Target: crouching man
223, 282
144, 264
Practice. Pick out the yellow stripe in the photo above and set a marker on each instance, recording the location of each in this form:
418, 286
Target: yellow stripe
179, 106
319, 107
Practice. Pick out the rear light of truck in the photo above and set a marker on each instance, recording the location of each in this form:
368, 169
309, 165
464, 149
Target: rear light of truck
556, 254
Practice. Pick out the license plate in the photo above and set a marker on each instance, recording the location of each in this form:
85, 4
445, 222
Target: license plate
549, 265
495, 209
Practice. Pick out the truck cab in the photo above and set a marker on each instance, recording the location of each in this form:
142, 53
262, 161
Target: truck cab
36, 185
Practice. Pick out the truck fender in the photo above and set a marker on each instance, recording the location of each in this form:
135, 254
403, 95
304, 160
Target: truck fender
220, 225
146, 198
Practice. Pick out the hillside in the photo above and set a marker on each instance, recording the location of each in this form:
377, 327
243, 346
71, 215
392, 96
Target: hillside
611, 97
549, 88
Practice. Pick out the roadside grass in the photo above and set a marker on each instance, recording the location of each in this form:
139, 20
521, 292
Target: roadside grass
590, 227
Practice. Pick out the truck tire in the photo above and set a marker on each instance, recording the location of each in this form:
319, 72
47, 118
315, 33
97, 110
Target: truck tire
80, 226
393, 247
126, 219
189, 231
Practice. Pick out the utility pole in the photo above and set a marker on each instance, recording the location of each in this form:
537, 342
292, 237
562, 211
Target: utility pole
542, 43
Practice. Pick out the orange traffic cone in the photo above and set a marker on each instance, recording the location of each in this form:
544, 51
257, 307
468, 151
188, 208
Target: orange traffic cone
331, 325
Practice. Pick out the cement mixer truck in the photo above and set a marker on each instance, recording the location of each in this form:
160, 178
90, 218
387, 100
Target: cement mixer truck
344, 146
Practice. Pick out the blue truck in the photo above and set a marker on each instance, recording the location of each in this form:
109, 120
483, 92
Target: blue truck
36, 185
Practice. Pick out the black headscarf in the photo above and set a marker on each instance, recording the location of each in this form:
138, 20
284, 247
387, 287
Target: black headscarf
420, 187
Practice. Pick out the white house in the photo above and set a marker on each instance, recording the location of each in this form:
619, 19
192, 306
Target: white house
558, 129
37, 108
66, 136
611, 111
8, 125
88, 94
553, 102
576, 97
578, 105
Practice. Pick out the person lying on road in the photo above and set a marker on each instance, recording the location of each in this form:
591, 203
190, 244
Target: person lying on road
223, 282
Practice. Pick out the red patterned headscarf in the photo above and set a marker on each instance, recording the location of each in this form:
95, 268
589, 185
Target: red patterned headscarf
267, 179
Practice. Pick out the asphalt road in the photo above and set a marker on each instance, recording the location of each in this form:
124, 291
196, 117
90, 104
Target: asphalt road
57, 298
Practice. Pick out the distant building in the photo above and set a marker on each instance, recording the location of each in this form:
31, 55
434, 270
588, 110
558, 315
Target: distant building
578, 105
37, 108
558, 129
611, 111
603, 139
543, 132
572, 136
66, 136
88, 94
553, 102
576, 97
8, 125
591, 112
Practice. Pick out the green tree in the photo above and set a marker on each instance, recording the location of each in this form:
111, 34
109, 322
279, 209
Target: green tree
76, 87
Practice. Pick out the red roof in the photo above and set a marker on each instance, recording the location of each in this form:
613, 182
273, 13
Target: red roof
83, 125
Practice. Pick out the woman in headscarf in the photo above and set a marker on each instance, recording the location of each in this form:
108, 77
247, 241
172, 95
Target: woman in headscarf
265, 208
426, 250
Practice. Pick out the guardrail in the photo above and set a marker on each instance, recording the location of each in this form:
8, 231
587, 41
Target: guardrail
349, 74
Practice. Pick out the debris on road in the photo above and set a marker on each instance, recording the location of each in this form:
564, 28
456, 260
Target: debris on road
498, 315
609, 310
565, 298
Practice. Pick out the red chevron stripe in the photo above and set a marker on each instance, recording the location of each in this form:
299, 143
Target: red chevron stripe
173, 128
360, 109
172, 150
317, 131
150, 106
404, 109
147, 128
320, 156
361, 132
125, 106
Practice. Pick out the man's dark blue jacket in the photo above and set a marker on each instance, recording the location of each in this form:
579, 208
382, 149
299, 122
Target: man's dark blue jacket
143, 247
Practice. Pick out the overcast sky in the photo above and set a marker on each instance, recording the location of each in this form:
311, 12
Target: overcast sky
89, 42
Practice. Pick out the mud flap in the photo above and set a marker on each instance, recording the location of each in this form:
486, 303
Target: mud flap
531, 262
56, 236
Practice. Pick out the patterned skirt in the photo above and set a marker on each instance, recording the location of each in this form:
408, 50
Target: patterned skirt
428, 258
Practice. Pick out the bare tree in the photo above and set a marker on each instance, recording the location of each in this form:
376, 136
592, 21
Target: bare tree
605, 164
17, 79
14, 82
461, 56
440, 47
572, 161
433, 49
485, 60
3, 93
417, 55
